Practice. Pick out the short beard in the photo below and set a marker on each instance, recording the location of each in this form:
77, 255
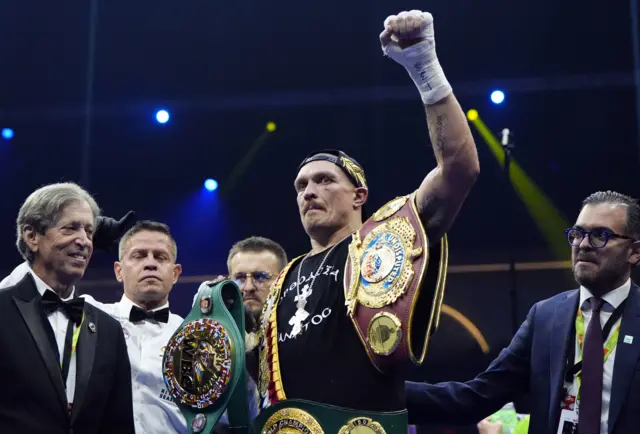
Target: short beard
601, 283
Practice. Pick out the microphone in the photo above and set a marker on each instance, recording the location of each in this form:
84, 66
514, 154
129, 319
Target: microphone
505, 137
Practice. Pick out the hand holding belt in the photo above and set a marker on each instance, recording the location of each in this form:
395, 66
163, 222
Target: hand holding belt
73, 308
138, 314
204, 362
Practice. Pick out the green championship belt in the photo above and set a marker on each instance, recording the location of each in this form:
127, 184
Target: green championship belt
204, 362
297, 416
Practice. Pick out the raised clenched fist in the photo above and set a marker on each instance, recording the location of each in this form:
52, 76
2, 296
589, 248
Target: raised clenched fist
408, 38
407, 28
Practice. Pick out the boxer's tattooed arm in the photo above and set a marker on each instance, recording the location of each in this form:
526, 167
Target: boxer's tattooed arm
439, 136
445, 188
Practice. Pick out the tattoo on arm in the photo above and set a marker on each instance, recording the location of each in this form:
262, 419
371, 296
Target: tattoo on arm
439, 135
432, 213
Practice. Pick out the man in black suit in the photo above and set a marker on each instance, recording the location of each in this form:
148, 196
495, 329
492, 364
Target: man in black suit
64, 362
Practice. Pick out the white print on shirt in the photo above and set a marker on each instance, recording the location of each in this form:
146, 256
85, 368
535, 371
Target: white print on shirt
314, 321
310, 277
301, 318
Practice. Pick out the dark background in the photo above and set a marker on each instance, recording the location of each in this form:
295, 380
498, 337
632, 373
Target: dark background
81, 81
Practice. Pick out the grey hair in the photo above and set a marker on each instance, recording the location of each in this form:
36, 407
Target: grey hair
44, 207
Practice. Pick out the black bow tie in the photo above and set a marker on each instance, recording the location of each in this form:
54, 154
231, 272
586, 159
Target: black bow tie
138, 314
73, 308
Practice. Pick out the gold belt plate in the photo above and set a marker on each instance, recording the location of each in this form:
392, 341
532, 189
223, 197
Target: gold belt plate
292, 421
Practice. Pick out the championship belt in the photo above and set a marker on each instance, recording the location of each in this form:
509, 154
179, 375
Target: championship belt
394, 287
204, 362
297, 416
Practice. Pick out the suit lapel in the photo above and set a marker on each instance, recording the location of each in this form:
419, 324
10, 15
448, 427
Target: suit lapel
85, 353
27, 302
562, 336
627, 354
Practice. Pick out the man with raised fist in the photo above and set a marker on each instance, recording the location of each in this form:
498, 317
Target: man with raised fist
342, 323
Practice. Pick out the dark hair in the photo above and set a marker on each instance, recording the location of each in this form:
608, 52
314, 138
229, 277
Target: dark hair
614, 198
257, 245
151, 226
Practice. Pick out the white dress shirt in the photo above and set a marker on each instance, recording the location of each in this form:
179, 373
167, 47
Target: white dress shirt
59, 322
613, 299
153, 408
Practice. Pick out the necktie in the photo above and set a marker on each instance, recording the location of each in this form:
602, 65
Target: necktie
592, 367
138, 314
72, 308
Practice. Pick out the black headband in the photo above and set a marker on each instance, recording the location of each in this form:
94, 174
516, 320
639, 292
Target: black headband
353, 169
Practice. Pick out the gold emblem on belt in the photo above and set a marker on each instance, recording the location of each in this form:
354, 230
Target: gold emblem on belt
291, 421
384, 333
389, 209
197, 363
384, 264
362, 425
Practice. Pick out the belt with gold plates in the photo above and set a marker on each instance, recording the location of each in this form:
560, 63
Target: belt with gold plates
204, 362
394, 287
306, 417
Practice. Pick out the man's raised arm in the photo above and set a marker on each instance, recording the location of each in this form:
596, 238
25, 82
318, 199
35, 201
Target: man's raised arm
408, 38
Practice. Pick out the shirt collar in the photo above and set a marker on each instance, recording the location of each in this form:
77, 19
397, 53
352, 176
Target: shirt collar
41, 286
126, 304
614, 298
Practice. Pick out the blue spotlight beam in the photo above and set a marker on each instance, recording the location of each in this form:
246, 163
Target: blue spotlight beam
7, 133
87, 142
211, 184
635, 34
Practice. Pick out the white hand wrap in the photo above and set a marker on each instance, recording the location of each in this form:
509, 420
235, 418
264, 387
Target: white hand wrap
421, 62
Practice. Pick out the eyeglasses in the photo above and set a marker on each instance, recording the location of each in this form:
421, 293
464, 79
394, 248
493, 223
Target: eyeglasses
598, 238
258, 277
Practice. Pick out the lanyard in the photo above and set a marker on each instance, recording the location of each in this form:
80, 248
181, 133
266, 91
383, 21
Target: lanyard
576, 369
70, 344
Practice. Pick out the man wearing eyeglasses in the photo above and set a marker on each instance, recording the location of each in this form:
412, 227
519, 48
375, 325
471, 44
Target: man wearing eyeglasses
577, 353
253, 263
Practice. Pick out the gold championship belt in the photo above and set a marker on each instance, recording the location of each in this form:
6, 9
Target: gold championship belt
203, 365
394, 285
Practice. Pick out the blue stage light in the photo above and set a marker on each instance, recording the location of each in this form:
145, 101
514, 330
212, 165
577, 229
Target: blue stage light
162, 116
497, 97
7, 133
211, 184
